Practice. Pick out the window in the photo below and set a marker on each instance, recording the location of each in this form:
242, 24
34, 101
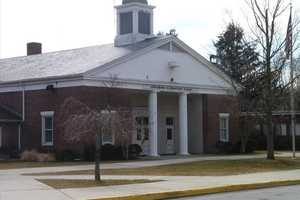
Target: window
47, 128
281, 129
224, 127
126, 23
107, 138
144, 22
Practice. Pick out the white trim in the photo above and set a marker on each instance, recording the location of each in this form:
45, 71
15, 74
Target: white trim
123, 84
224, 115
45, 115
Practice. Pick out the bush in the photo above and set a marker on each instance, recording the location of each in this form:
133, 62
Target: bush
67, 155
134, 151
34, 156
89, 153
111, 152
250, 148
285, 143
224, 147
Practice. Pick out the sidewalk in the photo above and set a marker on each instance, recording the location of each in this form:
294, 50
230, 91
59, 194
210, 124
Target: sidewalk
15, 186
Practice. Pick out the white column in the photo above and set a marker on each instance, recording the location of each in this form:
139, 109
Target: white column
153, 138
135, 22
183, 125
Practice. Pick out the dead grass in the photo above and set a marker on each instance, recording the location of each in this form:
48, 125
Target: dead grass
202, 168
201, 192
21, 164
65, 184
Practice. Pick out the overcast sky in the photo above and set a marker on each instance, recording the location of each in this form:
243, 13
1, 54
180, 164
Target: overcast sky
67, 24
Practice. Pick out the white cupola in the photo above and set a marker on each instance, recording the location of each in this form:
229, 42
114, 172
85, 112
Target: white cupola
134, 22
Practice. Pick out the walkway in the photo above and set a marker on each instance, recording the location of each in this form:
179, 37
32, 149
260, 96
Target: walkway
15, 186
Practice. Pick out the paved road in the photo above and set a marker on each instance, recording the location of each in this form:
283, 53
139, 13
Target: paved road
282, 193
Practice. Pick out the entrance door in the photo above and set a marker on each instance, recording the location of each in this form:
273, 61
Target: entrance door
170, 135
142, 134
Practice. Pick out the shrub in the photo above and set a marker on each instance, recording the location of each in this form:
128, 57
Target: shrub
30, 156
224, 147
250, 148
67, 155
89, 153
111, 152
34, 156
134, 151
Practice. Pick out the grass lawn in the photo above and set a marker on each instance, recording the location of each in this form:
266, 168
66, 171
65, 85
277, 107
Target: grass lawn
21, 164
64, 184
202, 168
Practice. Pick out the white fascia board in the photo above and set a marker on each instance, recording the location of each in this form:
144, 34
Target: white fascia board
135, 5
158, 86
40, 84
120, 83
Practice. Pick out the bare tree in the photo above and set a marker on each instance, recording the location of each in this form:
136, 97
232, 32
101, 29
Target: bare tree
81, 123
267, 33
124, 126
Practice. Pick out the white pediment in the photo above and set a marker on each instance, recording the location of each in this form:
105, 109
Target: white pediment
160, 65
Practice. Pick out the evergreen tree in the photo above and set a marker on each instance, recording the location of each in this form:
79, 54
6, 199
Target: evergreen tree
238, 58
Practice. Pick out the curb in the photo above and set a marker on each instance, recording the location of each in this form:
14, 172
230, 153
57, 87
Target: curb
205, 191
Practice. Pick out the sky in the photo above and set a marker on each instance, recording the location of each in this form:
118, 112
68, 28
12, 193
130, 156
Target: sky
68, 24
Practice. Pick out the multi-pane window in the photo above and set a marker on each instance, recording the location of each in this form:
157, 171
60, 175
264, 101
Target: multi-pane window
281, 129
224, 127
144, 22
126, 23
142, 128
47, 128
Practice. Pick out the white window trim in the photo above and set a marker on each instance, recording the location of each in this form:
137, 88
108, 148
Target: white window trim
44, 115
225, 116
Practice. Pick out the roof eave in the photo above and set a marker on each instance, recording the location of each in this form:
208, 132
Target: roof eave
35, 80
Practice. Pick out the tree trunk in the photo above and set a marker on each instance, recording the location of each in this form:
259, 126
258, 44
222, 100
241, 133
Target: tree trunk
244, 139
270, 137
98, 157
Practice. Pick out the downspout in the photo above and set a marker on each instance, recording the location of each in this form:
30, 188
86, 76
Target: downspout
23, 118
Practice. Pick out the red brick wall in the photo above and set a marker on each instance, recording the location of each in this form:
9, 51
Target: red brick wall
43, 100
9, 136
213, 105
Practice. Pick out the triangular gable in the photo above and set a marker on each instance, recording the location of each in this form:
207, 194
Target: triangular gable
154, 64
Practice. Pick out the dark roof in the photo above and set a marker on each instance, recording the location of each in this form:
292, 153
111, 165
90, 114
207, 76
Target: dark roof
135, 1
8, 115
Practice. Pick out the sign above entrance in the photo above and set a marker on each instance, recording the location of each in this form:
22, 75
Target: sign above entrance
172, 88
